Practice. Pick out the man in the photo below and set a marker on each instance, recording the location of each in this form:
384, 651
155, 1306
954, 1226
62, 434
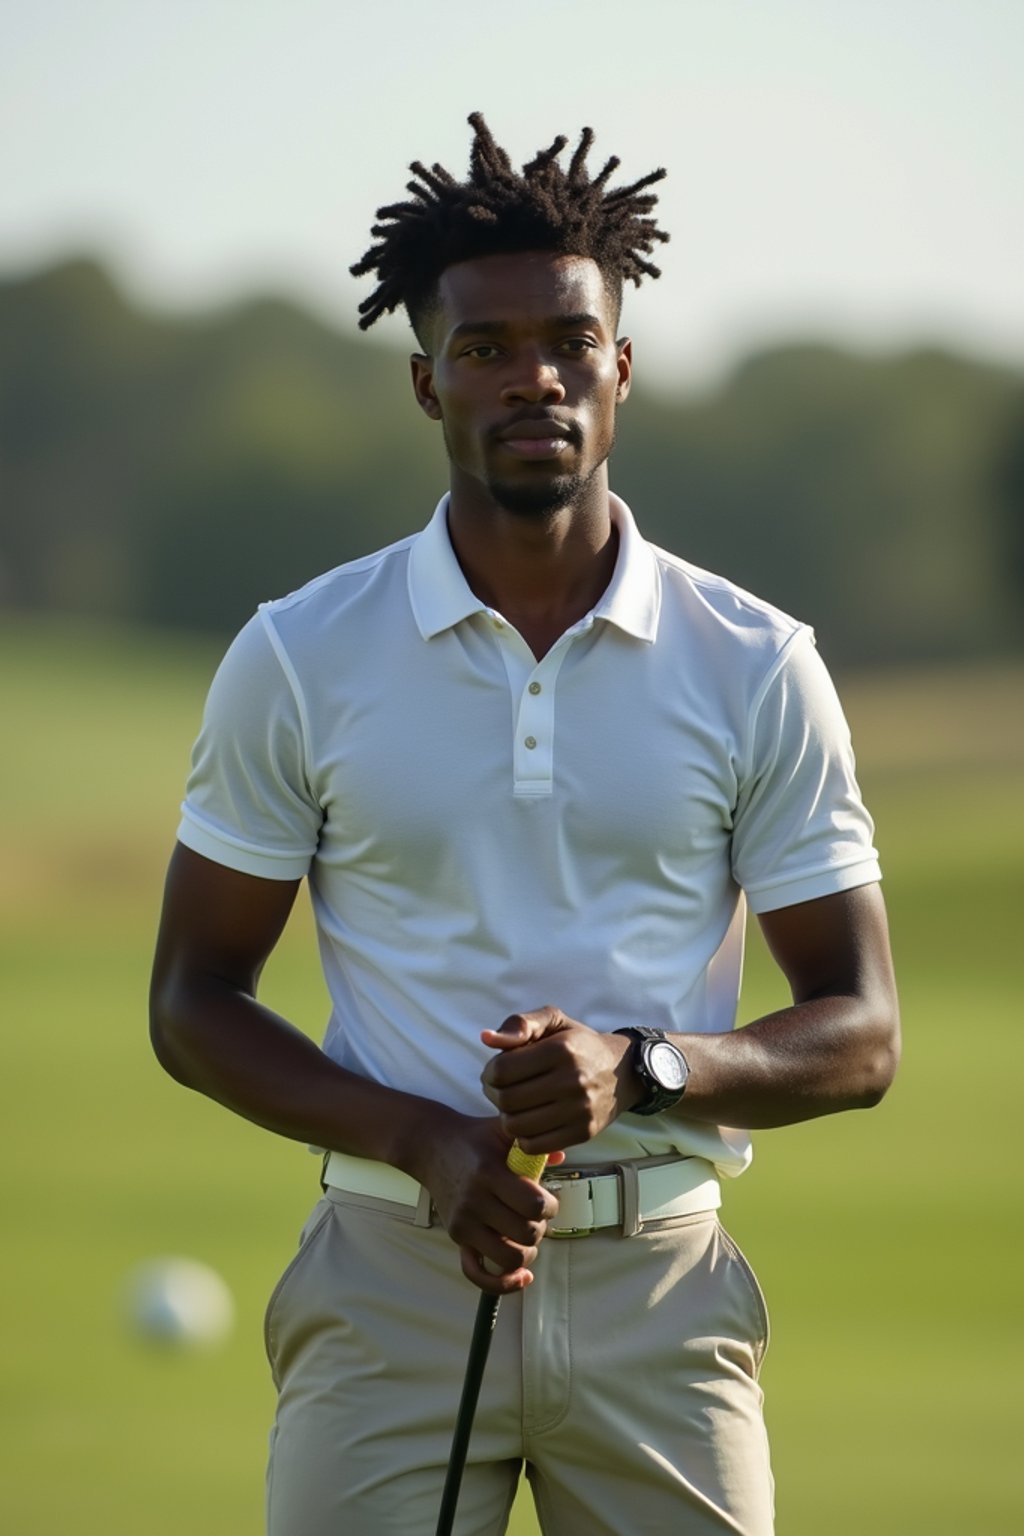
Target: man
533, 768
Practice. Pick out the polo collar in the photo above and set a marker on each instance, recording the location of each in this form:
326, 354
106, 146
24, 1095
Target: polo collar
439, 593
441, 597
632, 599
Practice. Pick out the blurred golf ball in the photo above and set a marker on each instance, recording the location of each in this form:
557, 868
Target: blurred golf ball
179, 1302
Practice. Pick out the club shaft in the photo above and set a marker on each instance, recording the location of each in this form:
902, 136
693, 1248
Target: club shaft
480, 1344
483, 1329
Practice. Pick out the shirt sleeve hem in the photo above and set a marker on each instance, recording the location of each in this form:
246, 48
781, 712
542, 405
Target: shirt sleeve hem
826, 882
235, 854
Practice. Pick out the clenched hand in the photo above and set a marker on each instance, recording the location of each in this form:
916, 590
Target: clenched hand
555, 1082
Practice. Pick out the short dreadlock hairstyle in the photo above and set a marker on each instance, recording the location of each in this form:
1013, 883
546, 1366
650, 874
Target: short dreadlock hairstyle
500, 211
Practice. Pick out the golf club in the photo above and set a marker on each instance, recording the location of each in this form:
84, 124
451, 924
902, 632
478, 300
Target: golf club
486, 1317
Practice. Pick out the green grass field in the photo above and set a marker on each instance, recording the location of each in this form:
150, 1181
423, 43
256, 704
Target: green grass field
890, 1244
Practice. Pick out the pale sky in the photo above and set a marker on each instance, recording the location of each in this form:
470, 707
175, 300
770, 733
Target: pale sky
846, 169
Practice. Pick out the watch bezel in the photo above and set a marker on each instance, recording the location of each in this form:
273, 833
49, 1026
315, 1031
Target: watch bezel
653, 1052
659, 1096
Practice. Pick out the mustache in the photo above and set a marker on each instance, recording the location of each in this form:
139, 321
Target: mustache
570, 430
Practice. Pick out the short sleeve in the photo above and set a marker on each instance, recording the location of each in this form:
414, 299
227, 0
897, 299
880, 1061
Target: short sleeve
801, 829
248, 803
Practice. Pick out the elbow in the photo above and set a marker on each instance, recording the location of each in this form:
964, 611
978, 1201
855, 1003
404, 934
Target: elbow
165, 1032
880, 1060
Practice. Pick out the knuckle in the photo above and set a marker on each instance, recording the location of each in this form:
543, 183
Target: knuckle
510, 1260
460, 1227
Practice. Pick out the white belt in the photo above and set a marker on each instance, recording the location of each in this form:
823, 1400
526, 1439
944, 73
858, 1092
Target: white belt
625, 1195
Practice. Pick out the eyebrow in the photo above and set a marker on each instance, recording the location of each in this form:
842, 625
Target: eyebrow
554, 323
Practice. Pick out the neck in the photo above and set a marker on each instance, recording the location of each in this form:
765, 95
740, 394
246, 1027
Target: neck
541, 573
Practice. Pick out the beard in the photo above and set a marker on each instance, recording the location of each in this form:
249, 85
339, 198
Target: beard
540, 497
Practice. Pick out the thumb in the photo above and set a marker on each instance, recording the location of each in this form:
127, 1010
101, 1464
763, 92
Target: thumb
520, 1028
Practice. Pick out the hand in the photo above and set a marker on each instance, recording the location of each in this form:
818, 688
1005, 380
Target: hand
497, 1217
556, 1083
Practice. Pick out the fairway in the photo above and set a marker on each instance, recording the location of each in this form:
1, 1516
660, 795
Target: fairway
889, 1244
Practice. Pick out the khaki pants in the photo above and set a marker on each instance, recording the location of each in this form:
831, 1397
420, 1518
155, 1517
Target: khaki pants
625, 1377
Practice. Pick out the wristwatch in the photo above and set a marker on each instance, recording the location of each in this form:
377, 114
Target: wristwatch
660, 1066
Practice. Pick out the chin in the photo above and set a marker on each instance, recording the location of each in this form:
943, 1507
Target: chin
538, 499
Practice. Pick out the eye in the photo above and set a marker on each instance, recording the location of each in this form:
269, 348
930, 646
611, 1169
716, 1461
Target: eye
481, 350
578, 344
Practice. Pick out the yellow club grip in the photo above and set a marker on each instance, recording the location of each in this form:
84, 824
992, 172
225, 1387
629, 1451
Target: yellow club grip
522, 1163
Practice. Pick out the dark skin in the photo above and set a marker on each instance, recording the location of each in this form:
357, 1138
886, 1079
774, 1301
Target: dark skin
525, 374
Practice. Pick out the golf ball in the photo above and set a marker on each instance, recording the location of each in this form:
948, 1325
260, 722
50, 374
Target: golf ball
179, 1302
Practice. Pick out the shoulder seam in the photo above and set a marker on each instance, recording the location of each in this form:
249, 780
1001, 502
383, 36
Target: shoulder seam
772, 671
712, 581
291, 677
355, 567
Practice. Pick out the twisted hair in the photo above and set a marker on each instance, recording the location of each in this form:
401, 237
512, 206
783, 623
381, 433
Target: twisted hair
499, 211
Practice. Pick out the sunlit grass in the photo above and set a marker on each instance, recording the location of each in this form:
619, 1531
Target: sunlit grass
888, 1243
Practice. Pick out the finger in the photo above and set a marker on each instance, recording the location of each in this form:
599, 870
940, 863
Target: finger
514, 1212
511, 1085
493, 1284
533, 1202
509, 1096
533, 1120
539, 1138
498, 1254
519, 1028
537, 1058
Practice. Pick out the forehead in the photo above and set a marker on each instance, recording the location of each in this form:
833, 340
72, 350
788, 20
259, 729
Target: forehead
521, 287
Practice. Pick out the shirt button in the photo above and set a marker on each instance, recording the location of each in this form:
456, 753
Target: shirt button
531, 742
535, 688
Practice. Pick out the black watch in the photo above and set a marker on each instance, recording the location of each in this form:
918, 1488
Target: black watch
660, 1066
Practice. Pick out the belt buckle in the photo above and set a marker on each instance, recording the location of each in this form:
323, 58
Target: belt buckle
575, 1200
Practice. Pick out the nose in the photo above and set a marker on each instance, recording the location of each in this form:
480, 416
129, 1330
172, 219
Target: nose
534, 379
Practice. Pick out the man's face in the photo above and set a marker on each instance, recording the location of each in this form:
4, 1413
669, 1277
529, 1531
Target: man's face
525, 375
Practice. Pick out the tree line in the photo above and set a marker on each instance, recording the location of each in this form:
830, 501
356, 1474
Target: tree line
177, 470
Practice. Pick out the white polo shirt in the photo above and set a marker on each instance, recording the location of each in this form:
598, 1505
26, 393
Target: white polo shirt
485, 833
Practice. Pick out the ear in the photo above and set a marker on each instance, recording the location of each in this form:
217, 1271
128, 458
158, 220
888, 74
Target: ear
422, 368
624, 362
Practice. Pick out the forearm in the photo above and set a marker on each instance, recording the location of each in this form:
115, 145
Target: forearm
816, 1058
558, 1083
225, 1044
836, 1048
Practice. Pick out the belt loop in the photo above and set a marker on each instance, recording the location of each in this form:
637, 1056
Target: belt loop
630, 1182
424, 1210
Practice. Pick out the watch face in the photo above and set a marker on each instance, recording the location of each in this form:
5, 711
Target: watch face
666, 1065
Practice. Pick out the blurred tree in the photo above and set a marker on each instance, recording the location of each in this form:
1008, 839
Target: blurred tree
1009, 489
850, 491
179, 470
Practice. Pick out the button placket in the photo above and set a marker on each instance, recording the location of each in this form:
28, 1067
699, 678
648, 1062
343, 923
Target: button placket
534, 749
533, 682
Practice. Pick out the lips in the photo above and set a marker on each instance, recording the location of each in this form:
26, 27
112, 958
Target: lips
536, 438
535, 447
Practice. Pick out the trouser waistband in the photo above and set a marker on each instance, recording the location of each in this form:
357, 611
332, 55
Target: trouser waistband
626, 1195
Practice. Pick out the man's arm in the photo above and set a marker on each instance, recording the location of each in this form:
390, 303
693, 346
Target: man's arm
558, 1083
837, 1047
217, 930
